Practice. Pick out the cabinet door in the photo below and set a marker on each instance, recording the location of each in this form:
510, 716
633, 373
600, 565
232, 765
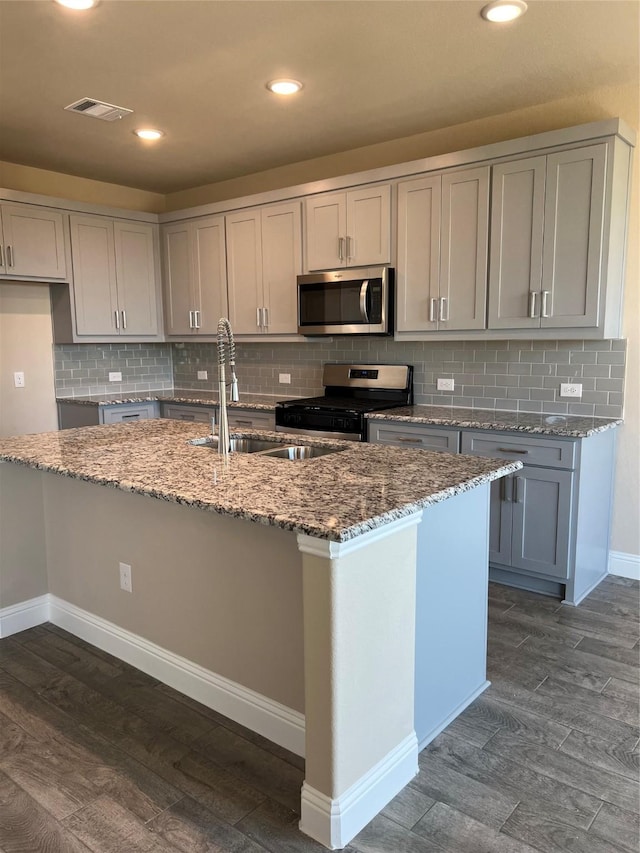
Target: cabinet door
244, 270
33, 242
517, 224
210, 274
123, 413
500, 521
418, 254
250, 419
542, 521
282, 263
136, 278
94, 276
178, 278
418, 436
368, 235
325, 231
465, 244
195, 414
574, 209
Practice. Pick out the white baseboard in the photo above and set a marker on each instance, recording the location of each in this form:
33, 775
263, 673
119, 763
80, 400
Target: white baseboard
274, 721
624, 565
26, 614
334, 822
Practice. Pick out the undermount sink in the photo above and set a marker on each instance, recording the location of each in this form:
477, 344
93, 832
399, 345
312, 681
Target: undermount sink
268, 449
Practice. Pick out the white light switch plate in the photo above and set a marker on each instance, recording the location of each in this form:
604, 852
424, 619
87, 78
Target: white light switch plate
570, 389
202, 374
115, 376
125, 577
18, 379
445, 384
284, 378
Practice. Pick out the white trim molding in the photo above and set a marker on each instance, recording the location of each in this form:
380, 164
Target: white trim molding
624, 565
274, 721
330, 550
26, 614
334, 822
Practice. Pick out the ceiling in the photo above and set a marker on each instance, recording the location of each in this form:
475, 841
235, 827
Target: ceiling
197, 69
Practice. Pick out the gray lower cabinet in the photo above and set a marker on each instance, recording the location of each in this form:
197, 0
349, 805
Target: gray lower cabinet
238, 418
550, 521
414, 435
193, 414
72, 415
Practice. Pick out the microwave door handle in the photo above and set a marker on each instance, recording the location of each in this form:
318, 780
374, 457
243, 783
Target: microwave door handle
364, 295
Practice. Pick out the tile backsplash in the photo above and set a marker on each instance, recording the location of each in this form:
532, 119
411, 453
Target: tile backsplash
514, 375
82, 369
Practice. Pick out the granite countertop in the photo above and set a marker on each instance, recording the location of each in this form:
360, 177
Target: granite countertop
571, 426
266, 402
336, 497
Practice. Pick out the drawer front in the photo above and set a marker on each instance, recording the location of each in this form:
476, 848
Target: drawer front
250, 419
531, 450
415, 435
192, 414
124, 413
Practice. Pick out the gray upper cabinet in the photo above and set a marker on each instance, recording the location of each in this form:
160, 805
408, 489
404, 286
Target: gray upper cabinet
549, 246
32, 243
115, 278
348, 229
195, 276
443, 234
264, 257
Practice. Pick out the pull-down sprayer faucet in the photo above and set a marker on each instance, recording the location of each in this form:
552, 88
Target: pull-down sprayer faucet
225, 342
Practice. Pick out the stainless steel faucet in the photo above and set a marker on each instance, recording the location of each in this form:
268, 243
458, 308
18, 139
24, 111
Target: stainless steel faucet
226, 351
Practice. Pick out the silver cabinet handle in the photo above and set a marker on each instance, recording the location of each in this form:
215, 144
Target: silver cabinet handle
507, 489
184, 417
258, 317
432, 310
135, 417
1, 257
443, 313
10, 257
117, 316
544, 312
240, 422
532, 304
512, 450
196, 319
406, 440
265, 315
519, 489
364, 292
341, 248
191, 319
351, 246
124, 319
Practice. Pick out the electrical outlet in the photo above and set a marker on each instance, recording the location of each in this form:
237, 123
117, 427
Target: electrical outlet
125, 577
18, 379
202, 374
445, 384
115, 376
568, 389
284, 378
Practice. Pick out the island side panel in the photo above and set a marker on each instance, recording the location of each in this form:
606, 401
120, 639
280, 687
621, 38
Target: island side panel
23, 562
451, 609
221, 592
359, 608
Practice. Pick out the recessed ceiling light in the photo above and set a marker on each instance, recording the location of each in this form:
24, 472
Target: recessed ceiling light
79, 5
284, 86
501, 11
148, 133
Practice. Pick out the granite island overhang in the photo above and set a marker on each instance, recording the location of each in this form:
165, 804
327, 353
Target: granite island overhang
337, 605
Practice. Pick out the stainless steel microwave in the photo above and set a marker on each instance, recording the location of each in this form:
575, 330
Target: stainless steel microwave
346, 302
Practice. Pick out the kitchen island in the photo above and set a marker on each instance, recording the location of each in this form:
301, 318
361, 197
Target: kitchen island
283, 594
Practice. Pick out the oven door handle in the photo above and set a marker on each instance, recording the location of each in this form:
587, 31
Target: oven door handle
364, 298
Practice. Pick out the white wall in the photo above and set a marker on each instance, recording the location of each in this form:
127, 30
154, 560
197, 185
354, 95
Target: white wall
26, 345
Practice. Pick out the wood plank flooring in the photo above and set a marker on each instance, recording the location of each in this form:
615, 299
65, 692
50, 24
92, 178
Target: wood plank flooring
96, 756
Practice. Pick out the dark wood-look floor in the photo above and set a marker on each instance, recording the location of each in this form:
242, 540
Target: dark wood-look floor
96, 756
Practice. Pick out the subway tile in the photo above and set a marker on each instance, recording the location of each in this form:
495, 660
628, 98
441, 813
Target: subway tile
529, 406
597, 346
610, 385
615, 399
608, 411
545, 395
581, 409
520, 368
610, 358
582, 357
595, 397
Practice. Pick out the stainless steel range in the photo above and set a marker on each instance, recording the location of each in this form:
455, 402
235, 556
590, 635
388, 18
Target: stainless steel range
351, 390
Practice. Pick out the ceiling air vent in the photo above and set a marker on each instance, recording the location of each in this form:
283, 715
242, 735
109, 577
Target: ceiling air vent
98, 109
